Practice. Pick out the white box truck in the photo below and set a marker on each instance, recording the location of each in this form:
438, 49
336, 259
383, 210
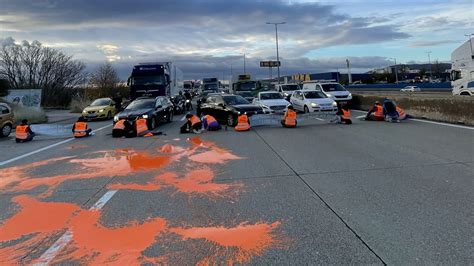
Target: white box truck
462, 69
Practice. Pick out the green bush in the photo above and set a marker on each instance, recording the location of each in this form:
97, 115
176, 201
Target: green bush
33, 115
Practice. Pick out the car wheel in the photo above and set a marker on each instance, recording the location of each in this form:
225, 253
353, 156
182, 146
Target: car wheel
306, 109
231, 120
6, 130
109, 115
170, 117
465, 94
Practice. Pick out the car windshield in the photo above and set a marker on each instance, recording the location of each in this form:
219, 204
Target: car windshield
148, 80
270, 96
100, 102
235, 100
292, 87
247, 86
210, 87
314, 95
246, 94
141, 104
333, 87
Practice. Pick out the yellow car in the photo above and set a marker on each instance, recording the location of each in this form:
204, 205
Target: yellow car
103, 108
7, 120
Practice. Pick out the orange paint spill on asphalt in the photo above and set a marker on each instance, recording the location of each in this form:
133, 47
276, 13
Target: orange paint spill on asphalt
245, 239
98, 245
133, 186
168, 148
199, 181
38, 219
214, 156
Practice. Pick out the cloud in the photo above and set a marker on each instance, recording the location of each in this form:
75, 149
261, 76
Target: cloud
432, 43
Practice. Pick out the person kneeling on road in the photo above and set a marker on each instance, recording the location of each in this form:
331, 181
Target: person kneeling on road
390, 111
343, 115
81, 129
142, 129
210, 123
193, 125
124, 128
289, 118
24, 132
375, 113
242, 123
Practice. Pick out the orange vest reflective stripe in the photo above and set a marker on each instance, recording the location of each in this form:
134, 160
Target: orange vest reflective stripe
194, 120
120, 125
401, 114
242, 123
22, 132
379, 111
210, 119
80, 129
290, 118
346, 114
141, 126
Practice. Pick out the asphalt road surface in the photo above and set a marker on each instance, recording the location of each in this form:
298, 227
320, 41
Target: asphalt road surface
368, 193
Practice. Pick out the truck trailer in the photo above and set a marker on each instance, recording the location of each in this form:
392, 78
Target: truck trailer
155, 79
462, 69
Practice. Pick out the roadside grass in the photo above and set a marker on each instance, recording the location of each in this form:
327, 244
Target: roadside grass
78, 104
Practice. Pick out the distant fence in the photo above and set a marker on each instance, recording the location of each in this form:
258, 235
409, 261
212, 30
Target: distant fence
444, 86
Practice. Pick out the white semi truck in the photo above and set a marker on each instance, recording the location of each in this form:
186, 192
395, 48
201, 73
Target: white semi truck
462, 69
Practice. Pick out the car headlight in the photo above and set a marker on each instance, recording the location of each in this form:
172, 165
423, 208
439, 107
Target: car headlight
116, 118
101, 110
350, 95
314, 105
286, 94
334, 104
84, 112
145, 116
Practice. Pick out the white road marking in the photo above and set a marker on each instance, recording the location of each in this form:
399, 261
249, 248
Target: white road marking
429, 122
44, 148
53, 250
320, 119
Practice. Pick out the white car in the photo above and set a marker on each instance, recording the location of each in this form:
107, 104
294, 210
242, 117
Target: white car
411, 89
312, 101
272, 100
333, 90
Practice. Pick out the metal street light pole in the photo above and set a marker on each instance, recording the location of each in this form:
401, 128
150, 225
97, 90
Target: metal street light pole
431, 69
276, 39
396, 69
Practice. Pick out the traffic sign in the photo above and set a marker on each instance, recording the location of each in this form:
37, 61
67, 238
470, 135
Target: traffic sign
270, 63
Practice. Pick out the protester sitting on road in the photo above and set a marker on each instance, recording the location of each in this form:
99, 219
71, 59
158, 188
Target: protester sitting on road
375, 113
210, 123
80, 128
24, 132
193, 124
390, 110
289, 118
343, 115
124, 128
242, 123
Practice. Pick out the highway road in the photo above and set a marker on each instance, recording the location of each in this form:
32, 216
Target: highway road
368, 193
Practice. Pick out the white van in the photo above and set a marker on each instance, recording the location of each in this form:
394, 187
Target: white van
333, 90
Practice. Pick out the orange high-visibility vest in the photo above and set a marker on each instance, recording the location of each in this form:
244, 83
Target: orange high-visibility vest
210, 119
141, 126
290, 118
242, 123
80, 129
194, 120
120, 124
379, 111
346, 114
22, 132
401, 114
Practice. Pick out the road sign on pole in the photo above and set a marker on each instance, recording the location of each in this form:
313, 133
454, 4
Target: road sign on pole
270, 63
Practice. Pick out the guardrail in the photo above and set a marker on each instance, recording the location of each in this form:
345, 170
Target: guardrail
444, 86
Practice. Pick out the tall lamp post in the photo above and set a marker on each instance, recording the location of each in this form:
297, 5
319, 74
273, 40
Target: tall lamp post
431, 69
276, 38
396, 69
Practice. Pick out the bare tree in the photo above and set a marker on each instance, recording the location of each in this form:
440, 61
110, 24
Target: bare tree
105, 77
32, 66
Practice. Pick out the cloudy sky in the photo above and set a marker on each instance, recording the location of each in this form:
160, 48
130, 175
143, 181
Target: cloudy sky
209, 37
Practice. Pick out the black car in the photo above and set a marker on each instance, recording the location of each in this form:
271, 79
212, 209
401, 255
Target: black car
153, 110
226, 107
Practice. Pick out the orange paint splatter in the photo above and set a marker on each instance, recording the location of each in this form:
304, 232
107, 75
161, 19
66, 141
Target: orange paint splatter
199, 181
132, 186
246, 240
97, 244
168, 148
39, 220
214, 156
